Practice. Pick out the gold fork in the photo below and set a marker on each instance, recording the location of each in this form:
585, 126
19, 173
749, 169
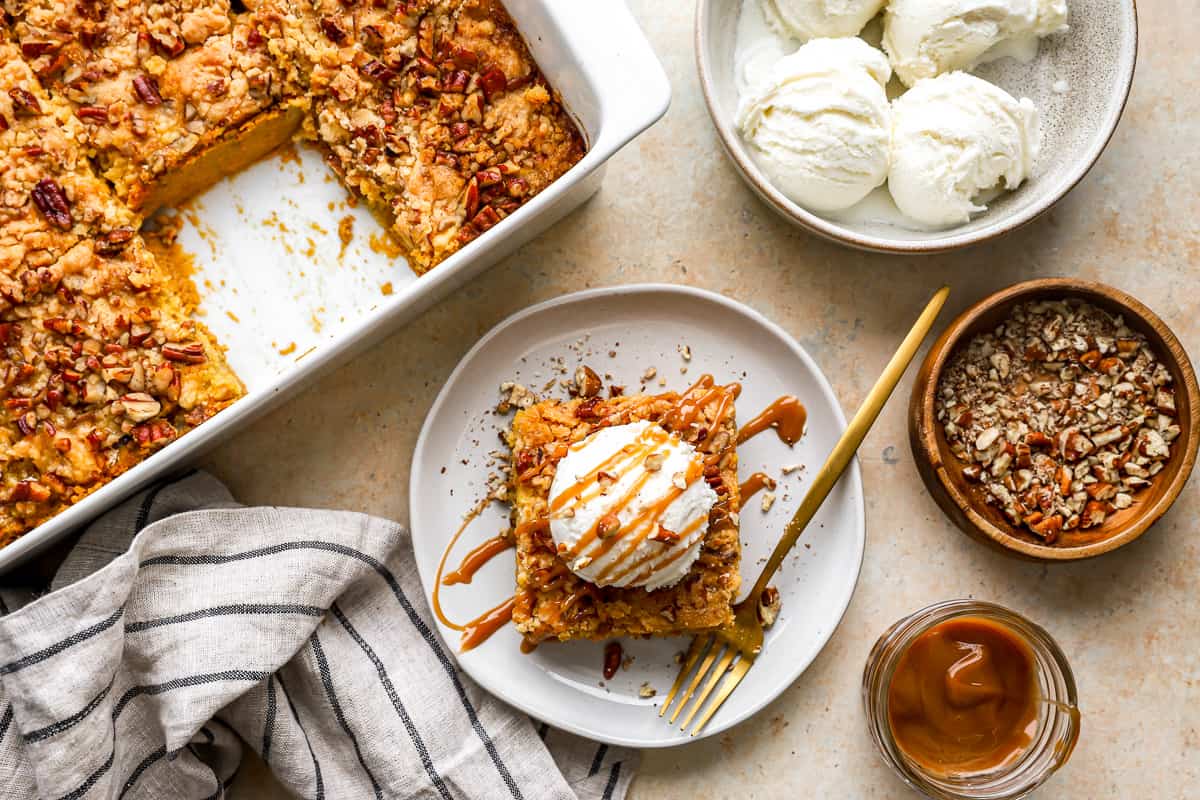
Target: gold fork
734, 647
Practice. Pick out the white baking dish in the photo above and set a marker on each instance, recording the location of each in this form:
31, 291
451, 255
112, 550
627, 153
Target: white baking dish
281, 291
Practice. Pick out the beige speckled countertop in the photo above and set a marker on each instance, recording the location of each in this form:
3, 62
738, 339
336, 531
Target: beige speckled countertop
673, 209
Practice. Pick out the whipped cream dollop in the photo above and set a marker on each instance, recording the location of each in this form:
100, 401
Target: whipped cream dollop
925, 38
819, 122
629, 507
955, 137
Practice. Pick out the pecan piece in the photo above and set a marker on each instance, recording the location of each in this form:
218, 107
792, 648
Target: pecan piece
378, 71
93, 113
139, 406
24, 103
589, 409
48, 196
190, 353
769, 604
114, 241
29, 490
146, 88
36, 49
612, 659
493, 82
485, 219
1049, 528
333, 30
488, 177
608, 526
455, 81
587, 382
461, 56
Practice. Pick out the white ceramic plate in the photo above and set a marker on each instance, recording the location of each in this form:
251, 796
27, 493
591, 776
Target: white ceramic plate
643, 326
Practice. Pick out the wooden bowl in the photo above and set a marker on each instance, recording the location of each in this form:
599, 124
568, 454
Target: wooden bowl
964, 502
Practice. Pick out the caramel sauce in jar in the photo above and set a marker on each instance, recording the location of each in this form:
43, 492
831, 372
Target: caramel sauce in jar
964, 697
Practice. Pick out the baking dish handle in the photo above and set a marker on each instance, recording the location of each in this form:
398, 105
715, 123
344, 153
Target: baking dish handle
629, 85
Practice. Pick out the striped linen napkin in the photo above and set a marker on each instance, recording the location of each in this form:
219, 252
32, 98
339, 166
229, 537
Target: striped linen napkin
183, 628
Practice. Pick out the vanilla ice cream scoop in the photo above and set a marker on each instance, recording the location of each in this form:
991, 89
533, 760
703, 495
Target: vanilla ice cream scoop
954, 137
819, 123
815, 19
629, 506
925, 38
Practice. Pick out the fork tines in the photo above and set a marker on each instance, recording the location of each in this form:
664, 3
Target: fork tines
708, 650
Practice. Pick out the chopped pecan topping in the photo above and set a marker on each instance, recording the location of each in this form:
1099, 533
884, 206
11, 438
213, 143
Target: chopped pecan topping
23, 102
93, 113
192, 353
114, 241
333, 30
377, 70
37, 49
485, 219
146, 88
48, 196
664, 535
608, 526
493, 82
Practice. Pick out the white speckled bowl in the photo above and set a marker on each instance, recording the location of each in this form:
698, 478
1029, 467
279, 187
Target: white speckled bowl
1095, 57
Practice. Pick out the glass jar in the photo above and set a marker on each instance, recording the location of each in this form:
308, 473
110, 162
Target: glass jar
1058, 715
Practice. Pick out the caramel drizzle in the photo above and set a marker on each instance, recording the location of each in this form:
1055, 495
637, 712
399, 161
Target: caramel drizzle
475, 559
680, 416
644, 524
651, 568
636, 450
754, 484
786, 415
477, 631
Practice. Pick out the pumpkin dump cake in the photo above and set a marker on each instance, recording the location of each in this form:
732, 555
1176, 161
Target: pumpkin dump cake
434, 112
155, 85
625, 514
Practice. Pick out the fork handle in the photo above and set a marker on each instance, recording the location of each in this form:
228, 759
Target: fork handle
847, 446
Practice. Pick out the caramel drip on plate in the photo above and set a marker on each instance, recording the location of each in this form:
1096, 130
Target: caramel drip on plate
754, 484
477, 631
437, 582
786, 415
475, 560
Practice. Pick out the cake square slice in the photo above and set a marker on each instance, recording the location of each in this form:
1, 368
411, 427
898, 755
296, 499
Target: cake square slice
154, 86
102, 366
555, 603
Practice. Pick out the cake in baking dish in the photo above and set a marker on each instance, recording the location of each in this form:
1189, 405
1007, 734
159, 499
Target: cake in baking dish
433, 111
